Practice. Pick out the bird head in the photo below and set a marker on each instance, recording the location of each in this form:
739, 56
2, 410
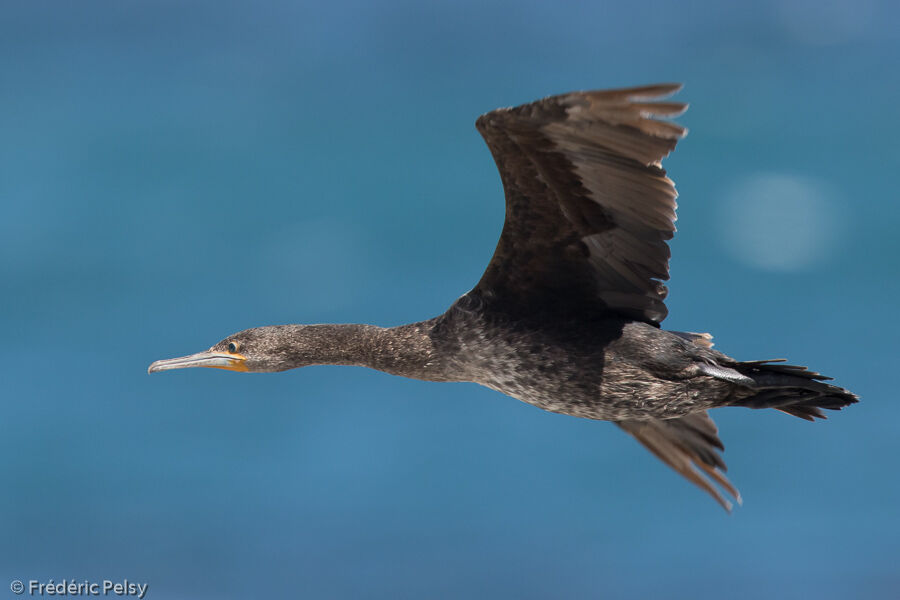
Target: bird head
258, 350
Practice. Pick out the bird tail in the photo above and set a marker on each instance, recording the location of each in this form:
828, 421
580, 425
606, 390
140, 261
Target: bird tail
791, 389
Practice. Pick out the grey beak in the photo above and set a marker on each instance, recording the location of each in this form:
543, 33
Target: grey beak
219, 360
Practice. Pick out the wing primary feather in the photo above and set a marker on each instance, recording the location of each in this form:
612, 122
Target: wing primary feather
647, 92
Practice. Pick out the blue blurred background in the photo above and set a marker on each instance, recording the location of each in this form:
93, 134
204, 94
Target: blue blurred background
177, 171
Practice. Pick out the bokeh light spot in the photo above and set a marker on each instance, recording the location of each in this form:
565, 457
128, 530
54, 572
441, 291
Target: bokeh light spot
780, 222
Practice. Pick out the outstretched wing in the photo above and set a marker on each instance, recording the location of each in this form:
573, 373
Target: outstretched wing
691, 446
588, 207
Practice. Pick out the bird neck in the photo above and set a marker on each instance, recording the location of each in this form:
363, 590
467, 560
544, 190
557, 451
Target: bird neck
406, 350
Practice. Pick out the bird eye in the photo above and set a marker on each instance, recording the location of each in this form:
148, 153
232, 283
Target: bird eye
233, 347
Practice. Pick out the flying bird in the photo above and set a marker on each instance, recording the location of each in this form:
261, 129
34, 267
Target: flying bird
567, 314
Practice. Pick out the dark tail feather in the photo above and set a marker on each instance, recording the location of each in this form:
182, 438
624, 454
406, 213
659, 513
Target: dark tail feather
791, 389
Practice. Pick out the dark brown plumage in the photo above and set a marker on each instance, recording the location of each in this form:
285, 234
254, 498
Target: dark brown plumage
566, 316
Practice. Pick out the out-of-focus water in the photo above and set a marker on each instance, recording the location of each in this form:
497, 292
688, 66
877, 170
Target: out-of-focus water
177, 171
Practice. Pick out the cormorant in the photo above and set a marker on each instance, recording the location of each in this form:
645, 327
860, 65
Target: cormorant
567, 315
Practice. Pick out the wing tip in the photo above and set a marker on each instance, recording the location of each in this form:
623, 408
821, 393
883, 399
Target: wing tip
680, 444
641, 103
